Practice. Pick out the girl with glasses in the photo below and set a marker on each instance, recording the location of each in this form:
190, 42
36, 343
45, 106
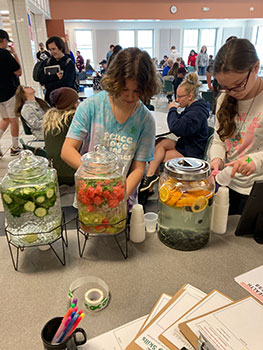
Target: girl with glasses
238, 140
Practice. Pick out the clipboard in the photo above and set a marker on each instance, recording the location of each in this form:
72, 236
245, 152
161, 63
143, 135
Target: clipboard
253, 328
134, 345
164, 337
153, 310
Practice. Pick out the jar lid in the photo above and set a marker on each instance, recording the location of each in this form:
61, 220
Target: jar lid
100, 160
189, 169
27, 166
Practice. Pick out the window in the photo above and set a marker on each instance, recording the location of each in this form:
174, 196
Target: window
194, 39
257, 39
83, 39
143, 39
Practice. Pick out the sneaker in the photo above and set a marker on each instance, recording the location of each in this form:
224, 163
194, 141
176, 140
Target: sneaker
14, 151
147, 182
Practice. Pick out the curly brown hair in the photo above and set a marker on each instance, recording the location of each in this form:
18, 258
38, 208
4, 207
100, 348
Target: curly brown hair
239, 56
134, 64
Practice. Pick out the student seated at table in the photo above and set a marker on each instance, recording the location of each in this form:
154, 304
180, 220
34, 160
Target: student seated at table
238, 138
88, 67
117, 118
178, 79
56, 124
166, 69
190, 126
31, 108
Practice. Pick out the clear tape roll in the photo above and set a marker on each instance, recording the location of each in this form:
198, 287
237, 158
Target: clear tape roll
93, 291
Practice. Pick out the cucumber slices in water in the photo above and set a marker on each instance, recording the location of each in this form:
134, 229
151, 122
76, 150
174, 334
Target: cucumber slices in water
40, 212
29, 206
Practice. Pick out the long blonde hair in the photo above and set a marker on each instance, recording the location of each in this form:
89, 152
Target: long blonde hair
54, 120
21, 100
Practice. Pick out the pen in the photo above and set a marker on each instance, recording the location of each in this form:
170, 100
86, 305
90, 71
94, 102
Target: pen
76, 323
61, 329
68, 313
65, 332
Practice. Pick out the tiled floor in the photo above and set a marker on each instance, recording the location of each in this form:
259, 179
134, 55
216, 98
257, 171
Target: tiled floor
66, 193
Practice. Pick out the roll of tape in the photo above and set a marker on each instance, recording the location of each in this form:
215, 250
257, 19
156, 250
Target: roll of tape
96, 296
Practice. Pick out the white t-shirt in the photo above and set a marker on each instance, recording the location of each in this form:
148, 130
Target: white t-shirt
250, 145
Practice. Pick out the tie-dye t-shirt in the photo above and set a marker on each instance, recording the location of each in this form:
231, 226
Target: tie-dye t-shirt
94, 123
250, 127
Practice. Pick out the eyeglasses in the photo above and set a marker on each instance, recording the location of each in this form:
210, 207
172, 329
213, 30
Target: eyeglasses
238, 88
181, 96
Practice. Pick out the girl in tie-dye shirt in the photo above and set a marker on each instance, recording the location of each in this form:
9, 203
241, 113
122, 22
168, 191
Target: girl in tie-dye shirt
117, 117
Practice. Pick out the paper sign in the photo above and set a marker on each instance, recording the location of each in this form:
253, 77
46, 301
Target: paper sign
252, 281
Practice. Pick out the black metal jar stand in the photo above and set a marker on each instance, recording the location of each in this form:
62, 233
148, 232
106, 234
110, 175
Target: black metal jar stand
87, 235
63, 236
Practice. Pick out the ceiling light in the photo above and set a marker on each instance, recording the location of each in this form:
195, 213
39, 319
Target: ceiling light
205, 9
251, 9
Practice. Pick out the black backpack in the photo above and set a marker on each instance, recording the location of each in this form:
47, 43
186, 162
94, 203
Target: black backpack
39, 66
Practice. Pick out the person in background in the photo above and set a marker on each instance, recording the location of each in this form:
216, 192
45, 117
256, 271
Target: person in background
67, 74
192, 58
174, 70
68, 52
117, 118
31, 108
239, 119
178, 79
116, 50
42, 54
190, 126
166, 69
56, 123
163, 62
88, 68
202, 61
79, 62
109, 53
103, 67
174, 54
10, 70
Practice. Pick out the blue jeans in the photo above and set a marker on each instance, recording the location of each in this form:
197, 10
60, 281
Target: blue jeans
201, 70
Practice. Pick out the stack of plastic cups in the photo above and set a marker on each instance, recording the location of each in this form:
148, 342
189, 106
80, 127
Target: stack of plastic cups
137, 224
220, 211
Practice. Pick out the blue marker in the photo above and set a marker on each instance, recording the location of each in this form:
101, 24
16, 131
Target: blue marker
71, 323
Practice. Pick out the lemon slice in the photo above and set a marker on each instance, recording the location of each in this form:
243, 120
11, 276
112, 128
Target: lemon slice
200, 204
31, 238
164, 193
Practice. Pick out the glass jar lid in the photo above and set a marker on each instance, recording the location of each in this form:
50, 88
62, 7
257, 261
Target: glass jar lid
189, 169
27, 166
100, 161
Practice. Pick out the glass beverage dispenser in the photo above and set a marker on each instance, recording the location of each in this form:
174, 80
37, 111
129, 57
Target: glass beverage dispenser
31, 201
101, 194
186, 191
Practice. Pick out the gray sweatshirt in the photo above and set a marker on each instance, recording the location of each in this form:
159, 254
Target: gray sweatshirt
33, 115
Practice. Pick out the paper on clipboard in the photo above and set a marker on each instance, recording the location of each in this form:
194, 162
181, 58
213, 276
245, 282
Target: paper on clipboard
161, 302
119, 338
236, 326
116, 339
252, 281
173, 338
183, 300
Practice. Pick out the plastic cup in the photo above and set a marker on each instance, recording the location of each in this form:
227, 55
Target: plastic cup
137, 214
150, 221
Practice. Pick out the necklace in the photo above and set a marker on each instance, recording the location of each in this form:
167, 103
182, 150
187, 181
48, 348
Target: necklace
238, 132
123, 124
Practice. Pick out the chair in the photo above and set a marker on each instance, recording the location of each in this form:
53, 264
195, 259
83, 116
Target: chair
209, 142
38, 151
27, 130
190, 69
208, 96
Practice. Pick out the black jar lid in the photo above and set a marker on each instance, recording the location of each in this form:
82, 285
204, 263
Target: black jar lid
188, 169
